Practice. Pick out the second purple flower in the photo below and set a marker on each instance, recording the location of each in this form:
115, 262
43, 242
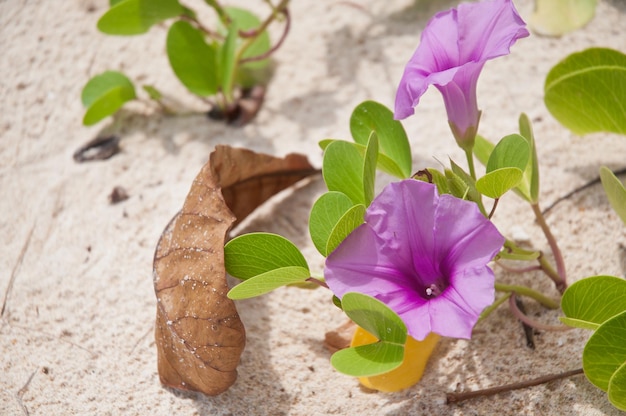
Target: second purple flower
453, 49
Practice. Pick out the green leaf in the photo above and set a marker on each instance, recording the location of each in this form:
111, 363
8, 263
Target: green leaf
498, 182
250, 255
378, 319
342, 169
556, 17
104, 94
512, 151
369, 168
154, 93
133, 17
605, 351
248, 21
375, 317
368, 360
585, 92
615, 192
346, 224
192, 59
227, 60
529, 188
617, 388
594, 300
505, 168
325, 214
482, 149
371, 116
385, 163
471, 193
268, 281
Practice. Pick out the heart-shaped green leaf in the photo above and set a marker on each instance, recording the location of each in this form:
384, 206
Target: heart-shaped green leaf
250, 255
268, 281
192, 59
512, 151
585, 92
104, 94
378, 319
342, 169
498, 182
615, 192
325, 214
393, 142
589, 302
605, 351
133, 17
375, 317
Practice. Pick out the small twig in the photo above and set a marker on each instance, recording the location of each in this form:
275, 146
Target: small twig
20, 393
531, 322
459, 397
528, 330
570, 194
277, 45
15, 269
141, 339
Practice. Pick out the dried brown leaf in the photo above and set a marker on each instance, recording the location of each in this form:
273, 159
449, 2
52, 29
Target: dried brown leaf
199, 335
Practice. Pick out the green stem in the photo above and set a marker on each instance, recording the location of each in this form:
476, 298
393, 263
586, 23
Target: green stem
528, 292
470, 162
485, 313
560, 280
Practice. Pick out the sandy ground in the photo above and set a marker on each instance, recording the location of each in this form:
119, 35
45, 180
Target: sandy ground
76, 334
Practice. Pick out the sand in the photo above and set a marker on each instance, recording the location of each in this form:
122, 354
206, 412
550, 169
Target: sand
76, 333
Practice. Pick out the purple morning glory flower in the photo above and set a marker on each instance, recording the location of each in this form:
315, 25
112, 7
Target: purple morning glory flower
424, 255
453, 49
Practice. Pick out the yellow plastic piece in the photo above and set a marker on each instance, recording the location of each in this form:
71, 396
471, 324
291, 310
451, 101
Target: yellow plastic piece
416, 356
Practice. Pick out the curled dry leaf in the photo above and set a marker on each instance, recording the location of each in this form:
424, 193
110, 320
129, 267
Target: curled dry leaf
199, 335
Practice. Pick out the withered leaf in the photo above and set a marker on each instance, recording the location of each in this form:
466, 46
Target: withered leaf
199, 335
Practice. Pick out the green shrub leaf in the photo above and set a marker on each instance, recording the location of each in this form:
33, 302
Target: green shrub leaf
104, 94
589, 302
376, 318
617, 388
556, 17
605, 352
498, 182
268, 281
346, 224
615, 192
133, 17
325, 214
192, 58
342, 169
585, 92
250, 255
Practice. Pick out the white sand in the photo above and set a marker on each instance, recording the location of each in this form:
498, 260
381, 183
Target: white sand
77, 333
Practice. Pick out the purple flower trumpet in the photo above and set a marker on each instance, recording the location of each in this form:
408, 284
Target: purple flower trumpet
453, 49
423, 255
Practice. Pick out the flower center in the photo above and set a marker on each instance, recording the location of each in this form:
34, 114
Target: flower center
435, 289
